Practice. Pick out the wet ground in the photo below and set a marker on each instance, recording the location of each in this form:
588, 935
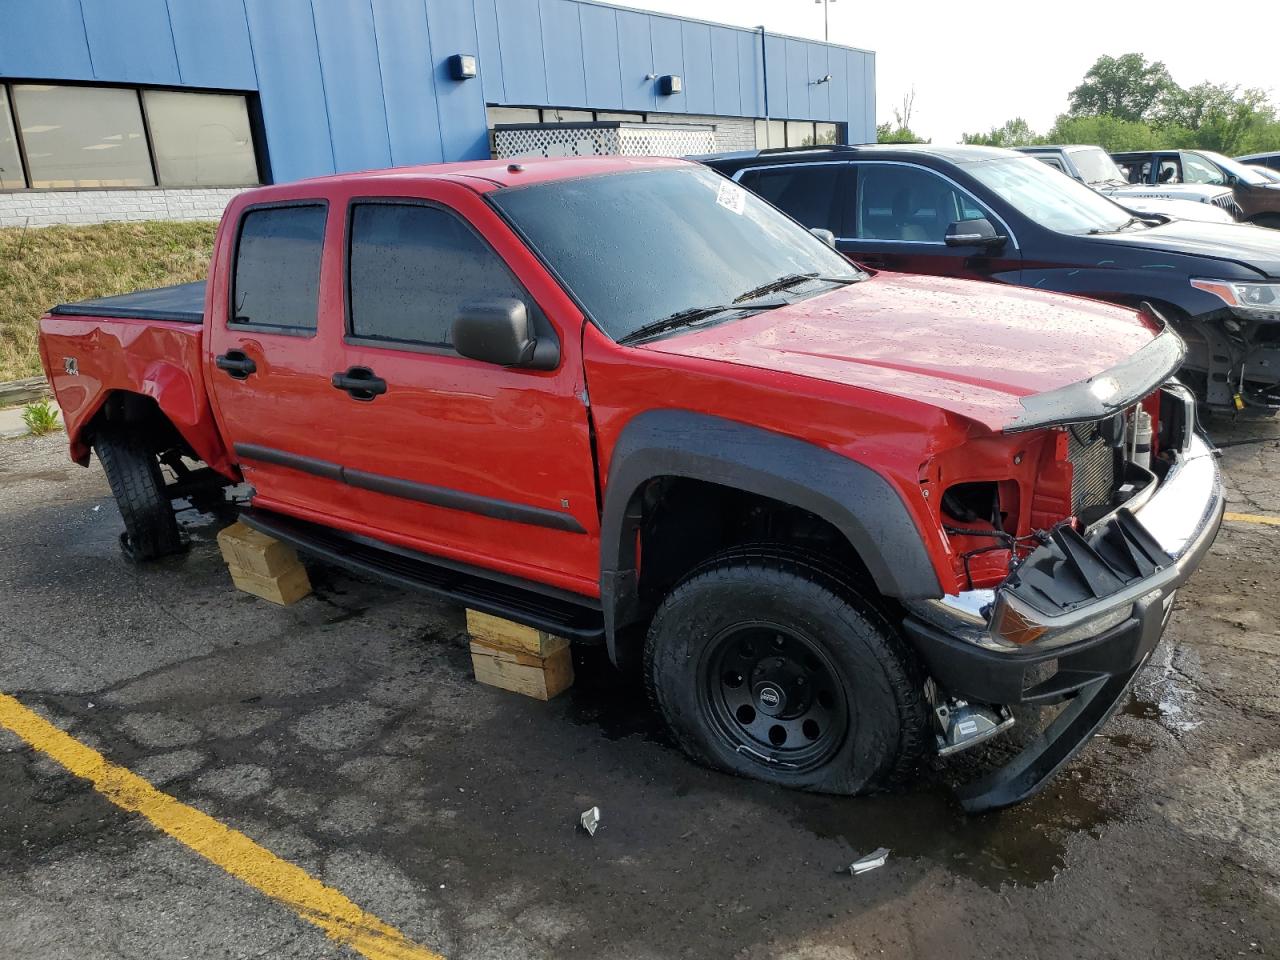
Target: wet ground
346, 735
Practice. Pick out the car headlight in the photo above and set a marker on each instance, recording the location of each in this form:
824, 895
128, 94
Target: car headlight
1244, 297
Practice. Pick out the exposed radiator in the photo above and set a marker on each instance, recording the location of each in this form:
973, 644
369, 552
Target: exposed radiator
1093, 467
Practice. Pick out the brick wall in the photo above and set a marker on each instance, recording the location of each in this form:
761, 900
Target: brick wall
42, 208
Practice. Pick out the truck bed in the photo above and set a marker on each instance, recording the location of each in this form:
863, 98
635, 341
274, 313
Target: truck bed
183, 302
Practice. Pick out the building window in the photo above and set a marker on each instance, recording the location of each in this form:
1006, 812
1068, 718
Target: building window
10, 160
200, 139
828, 133
771, 134
499, 115
567, 116
800, 133
84, 136
277, 278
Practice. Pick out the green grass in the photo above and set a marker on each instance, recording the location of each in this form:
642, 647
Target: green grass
41, 417
41, 267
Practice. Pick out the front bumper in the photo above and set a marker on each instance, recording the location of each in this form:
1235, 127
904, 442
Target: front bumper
1182, 517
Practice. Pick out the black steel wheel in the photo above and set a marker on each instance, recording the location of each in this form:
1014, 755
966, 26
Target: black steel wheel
769, 665
774, 695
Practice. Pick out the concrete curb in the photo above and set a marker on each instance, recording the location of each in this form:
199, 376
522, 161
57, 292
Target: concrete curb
23, 391
12, 425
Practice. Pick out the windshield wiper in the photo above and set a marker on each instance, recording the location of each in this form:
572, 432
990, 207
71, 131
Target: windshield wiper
790, 280
1124, 226
686, 318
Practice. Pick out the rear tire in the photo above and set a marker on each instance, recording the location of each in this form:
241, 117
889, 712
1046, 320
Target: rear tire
769, 666
133, 471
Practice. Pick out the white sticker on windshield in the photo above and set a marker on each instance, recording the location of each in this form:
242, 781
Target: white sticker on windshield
732, 196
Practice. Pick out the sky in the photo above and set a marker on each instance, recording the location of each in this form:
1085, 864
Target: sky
974, 66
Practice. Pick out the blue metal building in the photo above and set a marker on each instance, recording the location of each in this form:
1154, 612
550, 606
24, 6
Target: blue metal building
334, 85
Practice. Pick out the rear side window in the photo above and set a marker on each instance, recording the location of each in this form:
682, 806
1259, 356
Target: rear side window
808, 193
277, 276
411, 269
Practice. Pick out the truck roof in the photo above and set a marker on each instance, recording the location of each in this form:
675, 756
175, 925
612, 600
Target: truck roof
486, 175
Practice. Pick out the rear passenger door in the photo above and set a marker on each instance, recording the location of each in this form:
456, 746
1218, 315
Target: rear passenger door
270, 367
465, 460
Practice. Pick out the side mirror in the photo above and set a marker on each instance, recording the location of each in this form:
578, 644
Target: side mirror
826, 236
497, 331
974, 233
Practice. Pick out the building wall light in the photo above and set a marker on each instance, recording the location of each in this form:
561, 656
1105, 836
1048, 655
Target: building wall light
462, 66
670, 85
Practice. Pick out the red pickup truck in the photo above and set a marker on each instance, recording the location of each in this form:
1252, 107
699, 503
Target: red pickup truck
839, 519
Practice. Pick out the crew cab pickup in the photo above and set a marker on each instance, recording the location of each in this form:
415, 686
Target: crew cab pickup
839, 520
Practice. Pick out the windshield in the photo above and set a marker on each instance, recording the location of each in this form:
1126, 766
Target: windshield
639, 246
1096, 166
1043, 195
1234, 167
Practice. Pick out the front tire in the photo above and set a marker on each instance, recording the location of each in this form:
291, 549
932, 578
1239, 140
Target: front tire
150, 527
769, 666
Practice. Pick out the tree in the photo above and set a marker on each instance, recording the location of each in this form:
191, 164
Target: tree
1110, 133
1127, 87
888, 133
900, 130
1012, 133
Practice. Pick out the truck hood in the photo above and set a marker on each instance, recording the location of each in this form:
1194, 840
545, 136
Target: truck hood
1257, 248
1005, 357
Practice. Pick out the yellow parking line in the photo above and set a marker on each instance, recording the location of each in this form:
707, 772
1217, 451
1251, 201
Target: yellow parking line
340, 919
1252, 518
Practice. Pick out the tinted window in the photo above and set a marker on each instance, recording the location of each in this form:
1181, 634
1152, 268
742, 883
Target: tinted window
277, 278
83, 136
912, 205
639, 246
201, 138
807, 193
412, 267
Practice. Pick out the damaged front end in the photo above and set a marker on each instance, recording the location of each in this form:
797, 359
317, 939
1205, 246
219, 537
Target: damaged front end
1234, 354
1070, 534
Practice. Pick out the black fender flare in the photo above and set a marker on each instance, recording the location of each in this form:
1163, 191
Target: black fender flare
855, 499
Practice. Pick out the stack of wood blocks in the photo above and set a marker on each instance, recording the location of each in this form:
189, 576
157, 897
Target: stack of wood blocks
263, 566
518, 658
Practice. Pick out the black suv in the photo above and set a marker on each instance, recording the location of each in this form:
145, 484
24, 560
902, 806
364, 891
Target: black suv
993, 214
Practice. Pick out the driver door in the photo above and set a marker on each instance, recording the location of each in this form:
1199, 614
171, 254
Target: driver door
896, 218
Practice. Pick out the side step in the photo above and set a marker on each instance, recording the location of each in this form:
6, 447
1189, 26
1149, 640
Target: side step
545, 608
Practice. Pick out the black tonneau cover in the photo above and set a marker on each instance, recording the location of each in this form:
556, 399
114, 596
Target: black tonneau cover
184, 303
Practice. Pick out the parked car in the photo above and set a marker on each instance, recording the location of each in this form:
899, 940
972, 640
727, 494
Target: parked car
990, 214
838, 520
1094, 167
1269, 160
1257, 196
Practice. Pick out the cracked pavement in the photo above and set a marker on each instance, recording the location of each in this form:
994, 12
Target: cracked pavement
346, 735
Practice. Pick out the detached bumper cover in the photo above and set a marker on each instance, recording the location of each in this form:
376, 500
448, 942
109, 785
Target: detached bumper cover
1180, 521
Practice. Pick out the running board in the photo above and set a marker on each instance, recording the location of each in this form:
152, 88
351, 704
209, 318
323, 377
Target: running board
559, 612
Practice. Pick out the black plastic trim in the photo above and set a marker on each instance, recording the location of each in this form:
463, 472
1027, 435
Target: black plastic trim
854, 498
537, 605
412, 490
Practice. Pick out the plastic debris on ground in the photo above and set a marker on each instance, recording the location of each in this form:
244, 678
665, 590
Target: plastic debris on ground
871, 861
590, 820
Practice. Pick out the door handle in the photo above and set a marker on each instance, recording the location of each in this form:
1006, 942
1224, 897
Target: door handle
361, 383
236, 363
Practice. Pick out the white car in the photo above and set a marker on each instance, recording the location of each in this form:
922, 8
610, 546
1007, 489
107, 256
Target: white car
1181, 201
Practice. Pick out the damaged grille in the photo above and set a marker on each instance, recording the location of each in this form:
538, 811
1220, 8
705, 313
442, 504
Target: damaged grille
1093, 467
